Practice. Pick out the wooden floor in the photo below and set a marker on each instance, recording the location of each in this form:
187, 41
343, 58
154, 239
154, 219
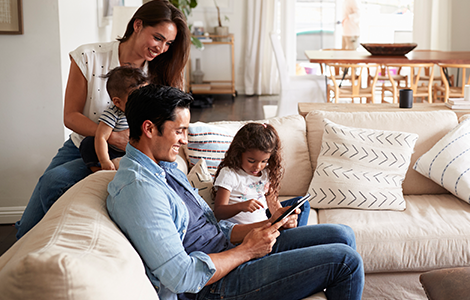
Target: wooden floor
223, 109
7, 237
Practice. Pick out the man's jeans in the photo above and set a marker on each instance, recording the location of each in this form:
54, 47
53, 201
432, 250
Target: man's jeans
65, 169
304, 261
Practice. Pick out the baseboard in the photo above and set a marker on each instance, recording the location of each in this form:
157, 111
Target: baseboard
9, 215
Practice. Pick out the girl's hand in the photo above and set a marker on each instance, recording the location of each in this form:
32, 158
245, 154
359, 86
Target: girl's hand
251, 205
291, 221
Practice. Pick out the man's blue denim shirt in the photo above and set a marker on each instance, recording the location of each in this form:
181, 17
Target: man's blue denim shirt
154, 219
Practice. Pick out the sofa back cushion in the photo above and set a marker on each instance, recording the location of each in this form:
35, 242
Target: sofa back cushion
75, 252
296, 159
430, 126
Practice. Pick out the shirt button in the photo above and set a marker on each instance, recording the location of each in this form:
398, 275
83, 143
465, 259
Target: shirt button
184, 230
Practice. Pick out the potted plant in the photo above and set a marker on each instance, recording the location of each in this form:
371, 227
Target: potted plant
220, 30
186, 7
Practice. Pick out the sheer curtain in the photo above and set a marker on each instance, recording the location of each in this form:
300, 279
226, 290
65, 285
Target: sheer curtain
431, 24
260, 70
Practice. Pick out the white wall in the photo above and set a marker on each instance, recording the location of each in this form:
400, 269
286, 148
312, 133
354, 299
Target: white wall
31, 100
33, 74
460, 24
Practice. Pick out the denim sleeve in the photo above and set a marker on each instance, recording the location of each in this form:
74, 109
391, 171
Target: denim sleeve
153, 220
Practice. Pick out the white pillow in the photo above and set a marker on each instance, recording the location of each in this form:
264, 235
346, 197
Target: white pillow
448, 162
361, 168
200, 178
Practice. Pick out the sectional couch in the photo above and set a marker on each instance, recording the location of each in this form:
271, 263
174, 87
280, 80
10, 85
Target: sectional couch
77, 252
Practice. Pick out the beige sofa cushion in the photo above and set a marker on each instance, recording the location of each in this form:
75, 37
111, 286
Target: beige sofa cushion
75, 252
430, 127
431, 233
293, 134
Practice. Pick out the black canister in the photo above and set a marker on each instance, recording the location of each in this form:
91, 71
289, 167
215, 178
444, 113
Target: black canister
406, 98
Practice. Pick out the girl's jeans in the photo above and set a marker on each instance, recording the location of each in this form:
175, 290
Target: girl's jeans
304, 261
65, 169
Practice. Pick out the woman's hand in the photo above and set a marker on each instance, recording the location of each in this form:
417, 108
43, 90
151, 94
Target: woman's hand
119, 139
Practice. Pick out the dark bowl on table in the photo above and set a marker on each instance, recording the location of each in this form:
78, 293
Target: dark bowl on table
389, 49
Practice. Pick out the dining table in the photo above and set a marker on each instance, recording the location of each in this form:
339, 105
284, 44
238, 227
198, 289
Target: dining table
415, 56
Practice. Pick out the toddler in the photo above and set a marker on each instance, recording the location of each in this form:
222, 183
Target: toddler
95, 151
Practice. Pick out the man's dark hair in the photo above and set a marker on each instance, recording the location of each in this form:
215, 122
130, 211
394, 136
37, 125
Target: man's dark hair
155, 103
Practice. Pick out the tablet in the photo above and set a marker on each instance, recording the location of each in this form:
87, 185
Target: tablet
291, 209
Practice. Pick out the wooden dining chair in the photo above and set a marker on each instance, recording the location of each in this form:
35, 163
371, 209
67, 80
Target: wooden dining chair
436, 79
339, 73
385, 72
352, 87
448, 89
420, 89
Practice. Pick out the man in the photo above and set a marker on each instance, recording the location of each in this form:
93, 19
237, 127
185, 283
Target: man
351, 29
186, 252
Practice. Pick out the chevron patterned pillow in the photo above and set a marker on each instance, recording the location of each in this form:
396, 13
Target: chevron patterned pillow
448, 162
361, 168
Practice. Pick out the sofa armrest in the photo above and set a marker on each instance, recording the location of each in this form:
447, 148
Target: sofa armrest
446, 284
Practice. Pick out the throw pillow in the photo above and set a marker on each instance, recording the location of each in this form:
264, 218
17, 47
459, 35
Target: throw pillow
361, 168
200, 178
208, 142
448, 162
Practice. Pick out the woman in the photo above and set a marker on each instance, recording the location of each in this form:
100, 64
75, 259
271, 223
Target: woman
157, 40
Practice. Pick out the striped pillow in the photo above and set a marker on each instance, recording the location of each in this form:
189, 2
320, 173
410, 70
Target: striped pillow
448, 162
208, 142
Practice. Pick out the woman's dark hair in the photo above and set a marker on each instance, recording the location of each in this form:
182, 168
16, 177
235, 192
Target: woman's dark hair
256, 136
167, 68
155, 103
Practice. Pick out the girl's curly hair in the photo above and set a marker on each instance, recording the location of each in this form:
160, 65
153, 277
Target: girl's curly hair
256, 136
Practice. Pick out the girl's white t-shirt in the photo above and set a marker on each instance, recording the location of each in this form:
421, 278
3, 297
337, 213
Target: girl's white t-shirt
243, 187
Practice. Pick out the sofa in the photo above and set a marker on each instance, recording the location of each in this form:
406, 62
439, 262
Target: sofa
77, 252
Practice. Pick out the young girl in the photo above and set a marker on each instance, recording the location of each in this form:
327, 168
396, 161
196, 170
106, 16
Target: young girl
246, 183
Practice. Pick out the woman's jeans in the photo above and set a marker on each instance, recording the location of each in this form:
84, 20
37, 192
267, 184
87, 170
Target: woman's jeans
304, 261
65, 169
302, 218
